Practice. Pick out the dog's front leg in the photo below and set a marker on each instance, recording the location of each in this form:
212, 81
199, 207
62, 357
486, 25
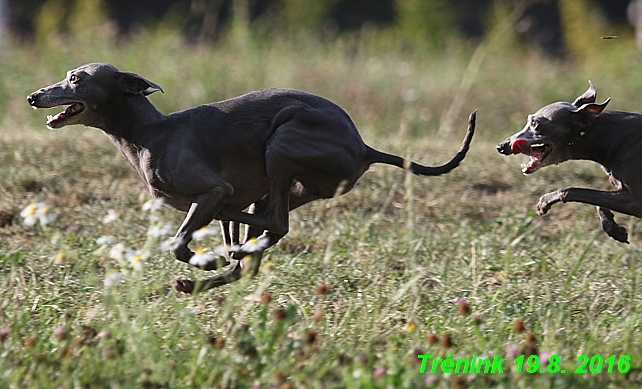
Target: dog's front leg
546, 201
611, 228
202, 211
617, 200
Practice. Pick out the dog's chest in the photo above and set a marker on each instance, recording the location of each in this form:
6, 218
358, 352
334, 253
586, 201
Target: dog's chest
159, 189
150, 171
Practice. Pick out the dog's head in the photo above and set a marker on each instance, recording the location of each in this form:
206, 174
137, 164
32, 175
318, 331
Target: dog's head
551, 132
87, 92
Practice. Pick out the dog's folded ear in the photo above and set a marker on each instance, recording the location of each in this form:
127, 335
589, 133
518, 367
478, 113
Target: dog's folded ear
587, 97
133, 83
588, 112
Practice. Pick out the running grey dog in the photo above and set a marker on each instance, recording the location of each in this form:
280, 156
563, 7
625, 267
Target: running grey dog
585, 130
269, 150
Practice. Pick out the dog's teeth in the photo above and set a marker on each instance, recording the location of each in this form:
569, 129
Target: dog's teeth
49, 117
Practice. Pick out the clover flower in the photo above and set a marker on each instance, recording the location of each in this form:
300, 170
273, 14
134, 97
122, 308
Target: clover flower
462, 306
512, 351
379, 372
518, 326
431, 379
322, 288
60, 333
110, 217
545, 357
37, 212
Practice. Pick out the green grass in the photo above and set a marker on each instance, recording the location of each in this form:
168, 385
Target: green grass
395, 254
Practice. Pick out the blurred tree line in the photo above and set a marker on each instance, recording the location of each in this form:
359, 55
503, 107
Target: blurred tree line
557, 26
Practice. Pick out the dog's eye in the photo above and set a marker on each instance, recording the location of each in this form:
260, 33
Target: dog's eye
73, 78
534, 123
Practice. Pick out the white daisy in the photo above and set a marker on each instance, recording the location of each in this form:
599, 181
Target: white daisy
117, 252
203, 232
37, 212
137, 258
29, 214
113, 278
45, 216
106, 239
254, 245
169, 244
159, 231
202, 258
153, 205
110, 217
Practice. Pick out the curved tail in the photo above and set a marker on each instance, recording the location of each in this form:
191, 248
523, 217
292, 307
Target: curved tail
375, 156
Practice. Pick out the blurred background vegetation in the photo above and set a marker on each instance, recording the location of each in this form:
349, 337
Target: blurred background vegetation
462, 46
558, 27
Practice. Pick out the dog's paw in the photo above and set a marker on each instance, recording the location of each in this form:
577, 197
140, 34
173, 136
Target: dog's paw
543, 207
214, 264
183, 286
546, 201
236, 252
182, 253
615, 231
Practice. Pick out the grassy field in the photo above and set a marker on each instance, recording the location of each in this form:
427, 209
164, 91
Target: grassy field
454, 266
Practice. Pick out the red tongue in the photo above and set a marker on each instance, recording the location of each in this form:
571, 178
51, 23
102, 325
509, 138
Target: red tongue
521, 146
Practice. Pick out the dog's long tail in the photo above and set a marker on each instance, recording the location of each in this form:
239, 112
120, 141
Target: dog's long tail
375, 156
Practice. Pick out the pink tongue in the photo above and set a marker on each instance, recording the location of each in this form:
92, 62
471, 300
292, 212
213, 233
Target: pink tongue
521, 146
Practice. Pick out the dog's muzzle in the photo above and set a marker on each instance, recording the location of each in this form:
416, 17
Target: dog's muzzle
504, 148
31, 99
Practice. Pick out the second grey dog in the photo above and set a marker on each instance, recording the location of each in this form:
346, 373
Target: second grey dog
270, 150
584, 130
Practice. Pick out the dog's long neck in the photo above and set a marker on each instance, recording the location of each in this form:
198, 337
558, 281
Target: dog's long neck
131, 119
603, 140
131, 126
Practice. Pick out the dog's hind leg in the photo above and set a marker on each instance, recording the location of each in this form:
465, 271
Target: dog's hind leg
230, 231
609, 225
298, 196
232, 275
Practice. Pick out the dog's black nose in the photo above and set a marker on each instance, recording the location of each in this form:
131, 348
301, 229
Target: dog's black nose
504, 148
31, 99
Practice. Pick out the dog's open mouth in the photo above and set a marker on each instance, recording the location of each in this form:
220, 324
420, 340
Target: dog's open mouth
537, 153
58, 120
